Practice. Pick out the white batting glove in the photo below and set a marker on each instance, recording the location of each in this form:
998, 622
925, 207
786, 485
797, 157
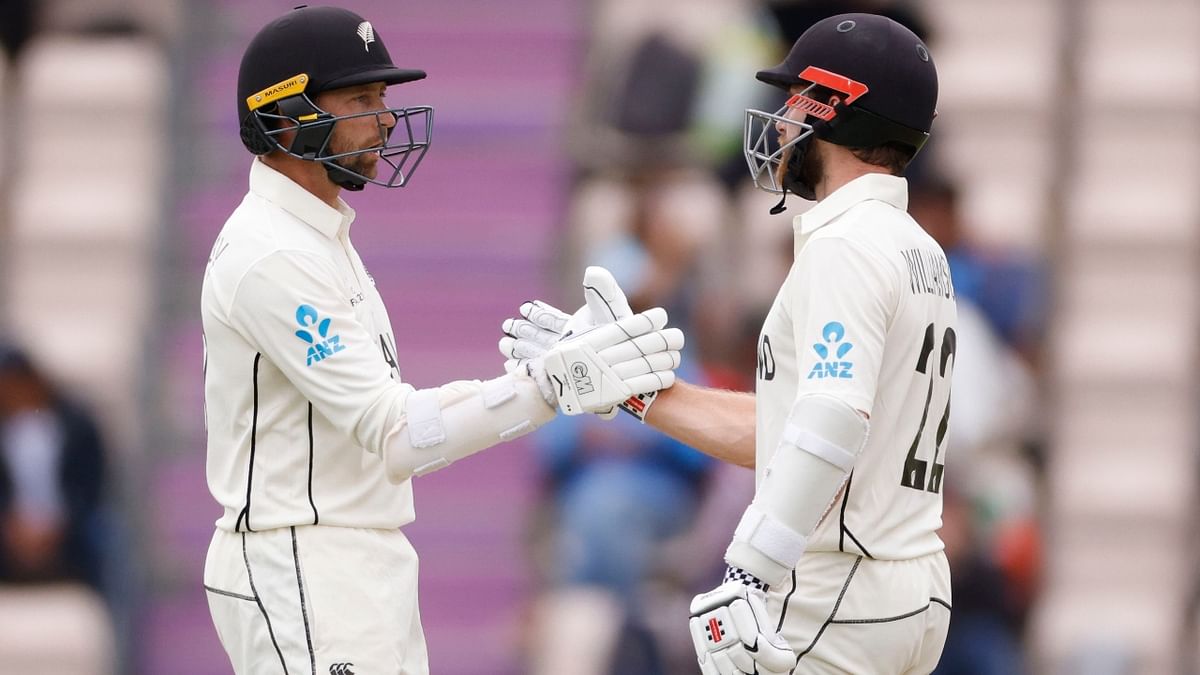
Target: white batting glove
542, 325
594, 370
732, 632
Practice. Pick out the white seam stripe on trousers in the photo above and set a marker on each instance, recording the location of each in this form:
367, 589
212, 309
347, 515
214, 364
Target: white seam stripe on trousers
302, 600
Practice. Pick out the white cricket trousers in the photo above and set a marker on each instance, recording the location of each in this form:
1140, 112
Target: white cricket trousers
314, 600
845, 613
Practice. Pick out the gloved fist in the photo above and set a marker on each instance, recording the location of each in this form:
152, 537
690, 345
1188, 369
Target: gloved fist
732, 633
594, 370
542, 325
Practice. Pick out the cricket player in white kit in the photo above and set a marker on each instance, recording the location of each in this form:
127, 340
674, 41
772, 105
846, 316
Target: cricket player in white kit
313, 437
836, 565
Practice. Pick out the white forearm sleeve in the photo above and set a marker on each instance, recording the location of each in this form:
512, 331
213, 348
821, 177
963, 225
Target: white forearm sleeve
822, 439
441, 426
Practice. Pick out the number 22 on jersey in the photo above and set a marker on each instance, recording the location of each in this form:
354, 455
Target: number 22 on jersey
916, 471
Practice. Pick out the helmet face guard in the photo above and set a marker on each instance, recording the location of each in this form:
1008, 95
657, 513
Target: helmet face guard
401, 147
286, 108
765, 150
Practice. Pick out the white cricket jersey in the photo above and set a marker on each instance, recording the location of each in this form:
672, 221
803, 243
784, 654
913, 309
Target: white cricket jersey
301, 385
867, 315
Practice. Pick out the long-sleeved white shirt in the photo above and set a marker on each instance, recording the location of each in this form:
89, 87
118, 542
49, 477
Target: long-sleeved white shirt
303, 396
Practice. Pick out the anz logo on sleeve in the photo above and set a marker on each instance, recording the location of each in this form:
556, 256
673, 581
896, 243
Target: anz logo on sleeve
832, 351
322, 345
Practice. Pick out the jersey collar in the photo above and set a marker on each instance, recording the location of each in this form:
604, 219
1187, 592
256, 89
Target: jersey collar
872, 186
289, 196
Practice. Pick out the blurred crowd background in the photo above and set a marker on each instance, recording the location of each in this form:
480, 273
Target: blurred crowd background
1061, 180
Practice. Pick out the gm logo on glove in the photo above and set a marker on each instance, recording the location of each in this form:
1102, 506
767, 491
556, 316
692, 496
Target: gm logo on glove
583, 383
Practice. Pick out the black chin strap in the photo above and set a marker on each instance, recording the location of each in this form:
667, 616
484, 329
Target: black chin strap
780, 208
343, 178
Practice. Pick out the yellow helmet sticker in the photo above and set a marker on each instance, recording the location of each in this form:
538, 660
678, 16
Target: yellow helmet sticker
289, 87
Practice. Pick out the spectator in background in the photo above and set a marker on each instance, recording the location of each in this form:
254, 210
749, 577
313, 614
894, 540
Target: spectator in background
657, 117
17, 24
1007, 287
645, 205
52, 474
982, 639
615, 493
990, 517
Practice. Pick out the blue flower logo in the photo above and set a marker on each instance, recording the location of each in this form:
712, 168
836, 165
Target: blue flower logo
322, 345
832, 351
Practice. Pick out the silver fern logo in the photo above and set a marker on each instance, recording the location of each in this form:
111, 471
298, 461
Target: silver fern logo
367, 33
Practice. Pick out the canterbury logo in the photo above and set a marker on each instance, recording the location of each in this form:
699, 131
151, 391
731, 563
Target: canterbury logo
367, 33
341, 669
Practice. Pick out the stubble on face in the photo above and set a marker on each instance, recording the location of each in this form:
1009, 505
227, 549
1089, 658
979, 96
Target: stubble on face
365, 163
812, 167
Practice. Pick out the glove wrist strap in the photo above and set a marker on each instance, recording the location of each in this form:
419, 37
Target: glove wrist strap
741, 576
638, 405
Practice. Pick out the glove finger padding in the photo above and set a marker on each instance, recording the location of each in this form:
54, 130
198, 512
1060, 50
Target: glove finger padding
725, 665
524, 329
545, 316
661, 361
774, 652
611, 334
529, 337
644, 384
670, 339
513, 348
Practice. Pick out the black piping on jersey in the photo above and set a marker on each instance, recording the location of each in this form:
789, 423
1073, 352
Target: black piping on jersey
316, 517
898, 617
786, 599
253, 441
832, 613
312, 658
258, 601
229, 594
845, 531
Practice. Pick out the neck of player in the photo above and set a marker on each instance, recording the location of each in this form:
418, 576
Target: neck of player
311, 176
839, 167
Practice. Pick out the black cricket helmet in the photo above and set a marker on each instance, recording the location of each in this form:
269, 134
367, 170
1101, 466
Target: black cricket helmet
310, 50
868, 81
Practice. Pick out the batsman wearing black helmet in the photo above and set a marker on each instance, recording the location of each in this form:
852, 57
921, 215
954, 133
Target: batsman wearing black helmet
313, 436
836, 565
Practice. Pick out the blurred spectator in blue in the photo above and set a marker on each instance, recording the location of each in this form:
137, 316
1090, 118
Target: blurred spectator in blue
1009, 288
990, 515
52, 473
645, 207
52, 477
616, 493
